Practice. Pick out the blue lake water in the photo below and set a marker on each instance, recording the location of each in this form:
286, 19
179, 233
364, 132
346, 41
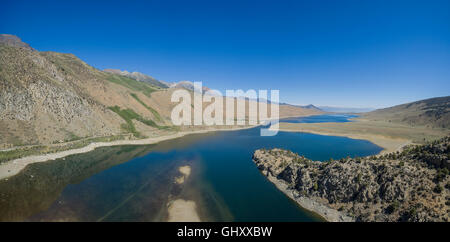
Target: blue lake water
135, 183
325, 118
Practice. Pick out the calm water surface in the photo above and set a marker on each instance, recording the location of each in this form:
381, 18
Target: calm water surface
135, 183
326, 118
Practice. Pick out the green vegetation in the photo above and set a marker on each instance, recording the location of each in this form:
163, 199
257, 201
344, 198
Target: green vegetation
128, 115
17, 153
132, 84
154, 112
359, 178
41, 149
441, 174
72, 137
438, 189
412, 212
394, 206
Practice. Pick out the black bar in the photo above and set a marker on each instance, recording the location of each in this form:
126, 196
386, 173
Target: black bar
224, 231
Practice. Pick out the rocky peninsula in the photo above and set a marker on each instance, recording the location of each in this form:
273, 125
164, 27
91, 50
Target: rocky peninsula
411, 185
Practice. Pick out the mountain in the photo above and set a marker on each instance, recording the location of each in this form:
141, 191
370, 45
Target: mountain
148, 79
188, 85
309, 106
49, 97
139, 77
432, 113
54, 101
312, 107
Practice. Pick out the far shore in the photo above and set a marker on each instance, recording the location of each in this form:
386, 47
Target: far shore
391, 137
388, 144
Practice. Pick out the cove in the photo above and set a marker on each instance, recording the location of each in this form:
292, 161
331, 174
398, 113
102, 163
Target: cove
135, 183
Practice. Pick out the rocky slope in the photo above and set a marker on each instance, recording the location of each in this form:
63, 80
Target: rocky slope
412, 185
49, 98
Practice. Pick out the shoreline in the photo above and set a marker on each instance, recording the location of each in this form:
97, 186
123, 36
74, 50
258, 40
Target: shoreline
388, 144
323, 211
13, 167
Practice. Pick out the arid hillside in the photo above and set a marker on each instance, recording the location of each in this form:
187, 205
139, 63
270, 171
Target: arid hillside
431, 113
49, 98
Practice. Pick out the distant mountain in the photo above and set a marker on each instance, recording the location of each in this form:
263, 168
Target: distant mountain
139, 77
345, 110
310, 106
187, 85
433, 112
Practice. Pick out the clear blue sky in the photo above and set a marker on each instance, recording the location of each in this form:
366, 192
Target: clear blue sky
338, 53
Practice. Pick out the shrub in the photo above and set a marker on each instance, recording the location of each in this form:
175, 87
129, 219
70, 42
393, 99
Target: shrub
437, 189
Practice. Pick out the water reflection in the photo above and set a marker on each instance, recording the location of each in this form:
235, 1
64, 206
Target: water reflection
136, 183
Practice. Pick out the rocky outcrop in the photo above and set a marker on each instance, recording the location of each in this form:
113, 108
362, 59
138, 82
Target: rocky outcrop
409, 186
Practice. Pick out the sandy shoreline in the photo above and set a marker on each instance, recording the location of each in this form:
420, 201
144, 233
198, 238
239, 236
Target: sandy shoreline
13, 167
186, 210
388, 144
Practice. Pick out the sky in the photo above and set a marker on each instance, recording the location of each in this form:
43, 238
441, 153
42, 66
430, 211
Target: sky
335, 53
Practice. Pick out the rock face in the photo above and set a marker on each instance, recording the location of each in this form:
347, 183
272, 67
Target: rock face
409, 186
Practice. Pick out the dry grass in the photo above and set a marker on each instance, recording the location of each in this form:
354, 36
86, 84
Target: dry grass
390, 136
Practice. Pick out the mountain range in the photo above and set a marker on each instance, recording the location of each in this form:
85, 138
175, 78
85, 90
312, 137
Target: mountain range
50, 98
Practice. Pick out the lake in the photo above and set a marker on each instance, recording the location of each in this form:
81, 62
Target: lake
135, 183
325, 118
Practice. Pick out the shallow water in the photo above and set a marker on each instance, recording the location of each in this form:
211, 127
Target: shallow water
135, 183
